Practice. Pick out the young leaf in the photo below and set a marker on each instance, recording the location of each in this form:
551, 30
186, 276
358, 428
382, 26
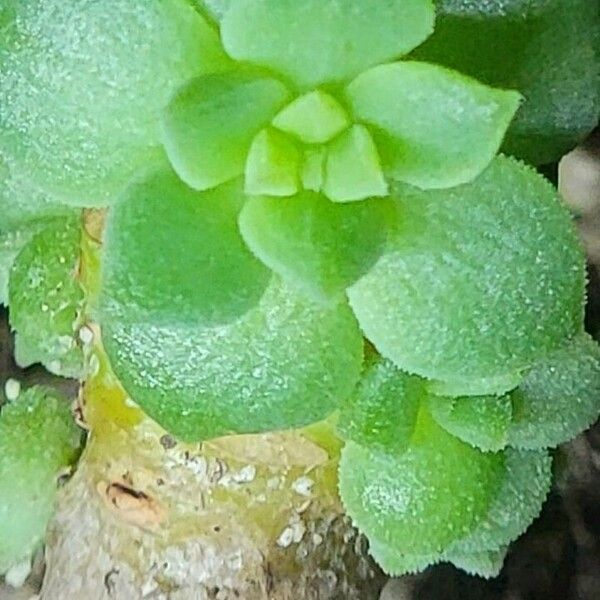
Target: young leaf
519, 500
315, 42
314, 118
478, 281
482, 421
210, 124
273, 165
549, 53
11, 243
320, 246
559, 397
353, 169
424, 498
285, 364
434, 128
174, 255
46, 300
382, 413
38, 439
80, 97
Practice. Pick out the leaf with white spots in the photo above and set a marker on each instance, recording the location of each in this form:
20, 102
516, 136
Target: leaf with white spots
320, 246
38, 439
46, 299
478, 281
434, 127
314, 42
482, 421
175, 255
424, 498
518, 501
286, 363
382, 412
209, 126
83, 83
559, 397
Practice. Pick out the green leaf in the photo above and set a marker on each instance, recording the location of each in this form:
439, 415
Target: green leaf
482, 421
315, 42
519, 500
482, 564
11, 243
215, 9
559, 397
38, 439
397, 561
285, 364
174, 255
313, 168
478, 281
353, 169
273, 165
320, 246
549, 52
435, 128
80, 98
423, 499
314, 118
210, 124
21, 203
382, 413
46, 299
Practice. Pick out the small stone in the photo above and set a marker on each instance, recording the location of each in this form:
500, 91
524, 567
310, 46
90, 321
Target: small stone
286, 538
317, 539
298, 531
245, 475
12, 389
303, 486
86, 335
18, 574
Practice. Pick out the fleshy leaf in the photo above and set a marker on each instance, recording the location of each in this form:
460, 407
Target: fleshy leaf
353, 170
21, 203
315, 42
46, 299
313, 168
559, 397
80, 98
314, 118
273, 165
482, 421
285, 364
435, 128
38, 439
396, 562
382, 413
209, 126
549, 53
478, 281
423, 499
483, 564
11, 243
175, 255
517, 503
320, 246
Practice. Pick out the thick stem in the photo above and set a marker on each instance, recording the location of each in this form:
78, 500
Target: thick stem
251, 517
